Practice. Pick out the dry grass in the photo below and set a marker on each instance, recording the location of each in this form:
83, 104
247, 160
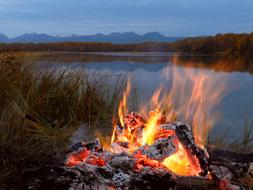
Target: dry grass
39, 109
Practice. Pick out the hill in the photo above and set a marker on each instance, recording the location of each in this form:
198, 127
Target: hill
115, 38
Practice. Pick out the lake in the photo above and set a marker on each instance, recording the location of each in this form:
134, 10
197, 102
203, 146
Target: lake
147, 74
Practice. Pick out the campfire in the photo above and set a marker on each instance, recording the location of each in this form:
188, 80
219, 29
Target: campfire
170, 146
155, 150
163, 145
141, 155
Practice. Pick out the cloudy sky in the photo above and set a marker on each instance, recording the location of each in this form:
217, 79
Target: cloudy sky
170, 17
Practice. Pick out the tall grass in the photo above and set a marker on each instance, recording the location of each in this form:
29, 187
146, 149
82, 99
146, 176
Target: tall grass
40, 108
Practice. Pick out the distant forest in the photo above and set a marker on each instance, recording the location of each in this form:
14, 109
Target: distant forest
229, 43
225, 43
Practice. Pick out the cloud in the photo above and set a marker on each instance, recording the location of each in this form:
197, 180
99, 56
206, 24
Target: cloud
90, 16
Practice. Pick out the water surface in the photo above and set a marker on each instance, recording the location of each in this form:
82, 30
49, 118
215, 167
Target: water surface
146, 71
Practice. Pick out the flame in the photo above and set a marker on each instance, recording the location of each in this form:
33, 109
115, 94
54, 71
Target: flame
191, 97
182, 164
122, 110
149, 131
194, 95
114, 123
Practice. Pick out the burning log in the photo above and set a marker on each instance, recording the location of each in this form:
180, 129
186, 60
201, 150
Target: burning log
134, 121
120, 172
160, 149
168, 159
169, 153
168, 138
119, 147
131, 130
185, 136
86, 152
128, 163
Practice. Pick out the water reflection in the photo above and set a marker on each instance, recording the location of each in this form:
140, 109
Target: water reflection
146, 71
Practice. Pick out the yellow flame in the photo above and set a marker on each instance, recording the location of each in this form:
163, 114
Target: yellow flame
123, 110
149, 132
181, 164
192, 97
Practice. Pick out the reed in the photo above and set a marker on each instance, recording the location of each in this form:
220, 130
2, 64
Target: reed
41, 107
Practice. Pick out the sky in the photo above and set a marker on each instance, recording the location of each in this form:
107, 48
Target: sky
169, 17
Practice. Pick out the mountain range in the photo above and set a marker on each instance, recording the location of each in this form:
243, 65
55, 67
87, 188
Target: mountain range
116, 38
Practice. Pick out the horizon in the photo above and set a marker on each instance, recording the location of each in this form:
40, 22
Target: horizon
171, 18
106, 34
91, 34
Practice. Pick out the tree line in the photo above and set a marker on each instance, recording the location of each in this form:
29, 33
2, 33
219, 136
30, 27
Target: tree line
86, 47
227, 43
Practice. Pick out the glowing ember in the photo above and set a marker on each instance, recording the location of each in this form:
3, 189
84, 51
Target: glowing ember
179, 160
173, 148
152, 138
181, 164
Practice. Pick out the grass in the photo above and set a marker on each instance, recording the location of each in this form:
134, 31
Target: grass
40, 108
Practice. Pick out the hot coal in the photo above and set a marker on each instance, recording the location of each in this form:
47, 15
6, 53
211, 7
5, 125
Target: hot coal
185, 136
119, 147
133, 121
120, 165
160, 149
131, 164
120, 173
135, 162
165, 144
91, 145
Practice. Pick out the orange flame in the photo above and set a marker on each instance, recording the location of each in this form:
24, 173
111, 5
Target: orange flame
122, 111
182, 164
192, 96
149, 131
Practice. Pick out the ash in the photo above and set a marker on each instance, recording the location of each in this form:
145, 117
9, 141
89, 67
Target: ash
89, 166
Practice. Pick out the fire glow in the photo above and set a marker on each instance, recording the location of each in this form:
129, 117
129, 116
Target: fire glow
136, 133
